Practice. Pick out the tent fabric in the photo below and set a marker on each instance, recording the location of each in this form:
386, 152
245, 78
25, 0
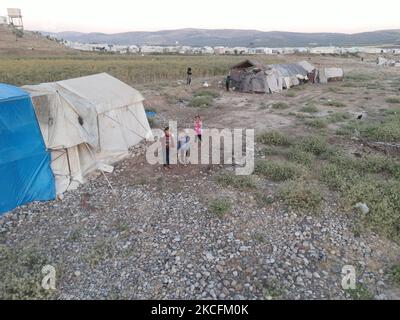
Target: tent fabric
306, 66
252, 76
330, 74
87, 123
333, 73
24, 161
290, 69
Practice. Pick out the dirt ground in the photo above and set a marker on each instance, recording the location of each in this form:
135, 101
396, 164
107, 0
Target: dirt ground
165, 241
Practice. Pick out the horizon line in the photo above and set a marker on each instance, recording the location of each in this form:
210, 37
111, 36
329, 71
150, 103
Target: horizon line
215, 29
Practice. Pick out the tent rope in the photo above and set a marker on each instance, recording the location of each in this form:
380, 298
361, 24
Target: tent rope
137, 119
63, 153
106, 115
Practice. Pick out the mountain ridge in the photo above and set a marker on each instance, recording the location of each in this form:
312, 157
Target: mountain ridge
234, 37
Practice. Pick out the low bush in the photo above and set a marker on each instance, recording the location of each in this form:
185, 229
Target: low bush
393, 100
212, 93
395, 275
310, 108
201, 101
300, 156
383, 199
301, 195
274, 138
238, 182
339, 117
334, 103
280, 105
313, 144
220, 207
278, 171
317, 123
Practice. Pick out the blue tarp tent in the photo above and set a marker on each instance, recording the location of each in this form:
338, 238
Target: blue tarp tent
25, 173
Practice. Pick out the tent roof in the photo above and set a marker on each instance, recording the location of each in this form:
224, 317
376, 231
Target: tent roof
290, 69
306, 65
103, 91
248, 64
8, 92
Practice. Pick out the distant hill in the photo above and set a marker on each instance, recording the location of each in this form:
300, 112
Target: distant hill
28, 43
230, 37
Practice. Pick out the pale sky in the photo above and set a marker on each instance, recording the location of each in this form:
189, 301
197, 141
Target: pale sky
347, 16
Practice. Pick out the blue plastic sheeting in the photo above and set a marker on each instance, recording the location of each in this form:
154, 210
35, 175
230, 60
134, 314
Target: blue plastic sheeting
151, 114
25, 172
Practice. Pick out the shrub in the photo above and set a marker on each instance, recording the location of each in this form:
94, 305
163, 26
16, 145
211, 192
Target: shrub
263, 199
393, 100
337, 178
300, 156
334, 103
280, 105
201, 101
20, 274
339, 117
220, 207
360, 293
358, 77
273, 151
238, 182
290, 94
301, 195
383, 199
317, 123
278, 171
310, 108
373, 163
313, 144
388, 130
395, 275
274, 138
212, 93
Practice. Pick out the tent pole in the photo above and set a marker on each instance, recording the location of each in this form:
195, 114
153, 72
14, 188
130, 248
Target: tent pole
105, 177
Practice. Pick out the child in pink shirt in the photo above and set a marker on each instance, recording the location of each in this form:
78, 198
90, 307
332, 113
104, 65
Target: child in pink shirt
198, 127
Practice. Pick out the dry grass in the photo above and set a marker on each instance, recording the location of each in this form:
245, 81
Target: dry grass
130, 69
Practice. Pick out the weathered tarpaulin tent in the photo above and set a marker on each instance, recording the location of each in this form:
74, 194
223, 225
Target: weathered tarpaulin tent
88, 123
24, 161
253, 76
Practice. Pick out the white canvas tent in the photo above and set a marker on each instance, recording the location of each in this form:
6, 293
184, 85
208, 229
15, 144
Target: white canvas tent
88, 123
330, 74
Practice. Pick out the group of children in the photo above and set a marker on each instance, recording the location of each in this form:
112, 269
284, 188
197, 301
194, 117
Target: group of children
183, 142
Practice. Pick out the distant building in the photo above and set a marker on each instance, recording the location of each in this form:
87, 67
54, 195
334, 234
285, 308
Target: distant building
219, 50
207, 50
3, 20
323, 50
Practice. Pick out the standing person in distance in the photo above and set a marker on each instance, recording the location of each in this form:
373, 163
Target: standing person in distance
189, 76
